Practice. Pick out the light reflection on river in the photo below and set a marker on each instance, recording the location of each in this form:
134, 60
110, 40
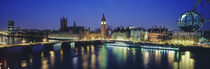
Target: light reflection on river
98, 57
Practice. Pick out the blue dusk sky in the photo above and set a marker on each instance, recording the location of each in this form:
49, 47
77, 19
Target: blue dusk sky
45, 14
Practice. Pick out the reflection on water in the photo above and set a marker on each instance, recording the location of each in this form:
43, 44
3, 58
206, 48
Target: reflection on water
171, 59
60, 56
23, 64
188, 62
44, 63
102, 58
84, 58
93, 58
52, 58
145, 58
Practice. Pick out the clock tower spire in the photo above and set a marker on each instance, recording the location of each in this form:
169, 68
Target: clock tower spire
103, 26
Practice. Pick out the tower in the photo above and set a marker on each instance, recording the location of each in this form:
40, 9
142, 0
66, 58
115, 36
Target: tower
63, 24
103, 26
75, 24
11, 26
75, 27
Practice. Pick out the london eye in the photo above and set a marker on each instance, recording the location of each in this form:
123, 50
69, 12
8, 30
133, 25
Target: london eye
193, 20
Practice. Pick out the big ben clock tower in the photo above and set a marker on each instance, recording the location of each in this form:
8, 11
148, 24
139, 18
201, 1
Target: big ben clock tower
103, 27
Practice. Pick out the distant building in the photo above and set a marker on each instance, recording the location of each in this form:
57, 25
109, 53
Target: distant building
121, 33
97, 35
71, 29
185, 38
11, 29
158, 34
32, 35
121, 29
109, 31
130, 33
76, 29
67, 32
137, 34
72, 32
103, 26
63, 25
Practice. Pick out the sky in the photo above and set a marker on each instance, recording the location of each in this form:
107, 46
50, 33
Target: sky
45, 14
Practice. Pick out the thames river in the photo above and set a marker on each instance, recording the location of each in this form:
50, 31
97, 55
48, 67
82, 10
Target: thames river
64, 56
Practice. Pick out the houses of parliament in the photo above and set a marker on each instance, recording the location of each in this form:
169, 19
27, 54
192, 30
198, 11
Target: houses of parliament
82, 32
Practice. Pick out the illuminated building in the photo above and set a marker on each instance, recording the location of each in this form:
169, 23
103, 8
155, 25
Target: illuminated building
109, 31
145, 36
63, 25
11, 29
121, 33
185, 38
68, 32
130, 33
97, 35
103, 26
136, 34
157, 34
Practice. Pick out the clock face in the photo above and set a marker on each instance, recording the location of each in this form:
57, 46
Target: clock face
103, 22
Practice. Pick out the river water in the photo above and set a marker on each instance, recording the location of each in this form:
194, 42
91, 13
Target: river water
58, 56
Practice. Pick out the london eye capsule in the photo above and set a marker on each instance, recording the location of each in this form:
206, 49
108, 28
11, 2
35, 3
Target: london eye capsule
190, 21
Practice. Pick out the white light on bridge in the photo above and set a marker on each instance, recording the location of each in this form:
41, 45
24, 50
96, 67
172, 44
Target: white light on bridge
23, 41
44, 40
